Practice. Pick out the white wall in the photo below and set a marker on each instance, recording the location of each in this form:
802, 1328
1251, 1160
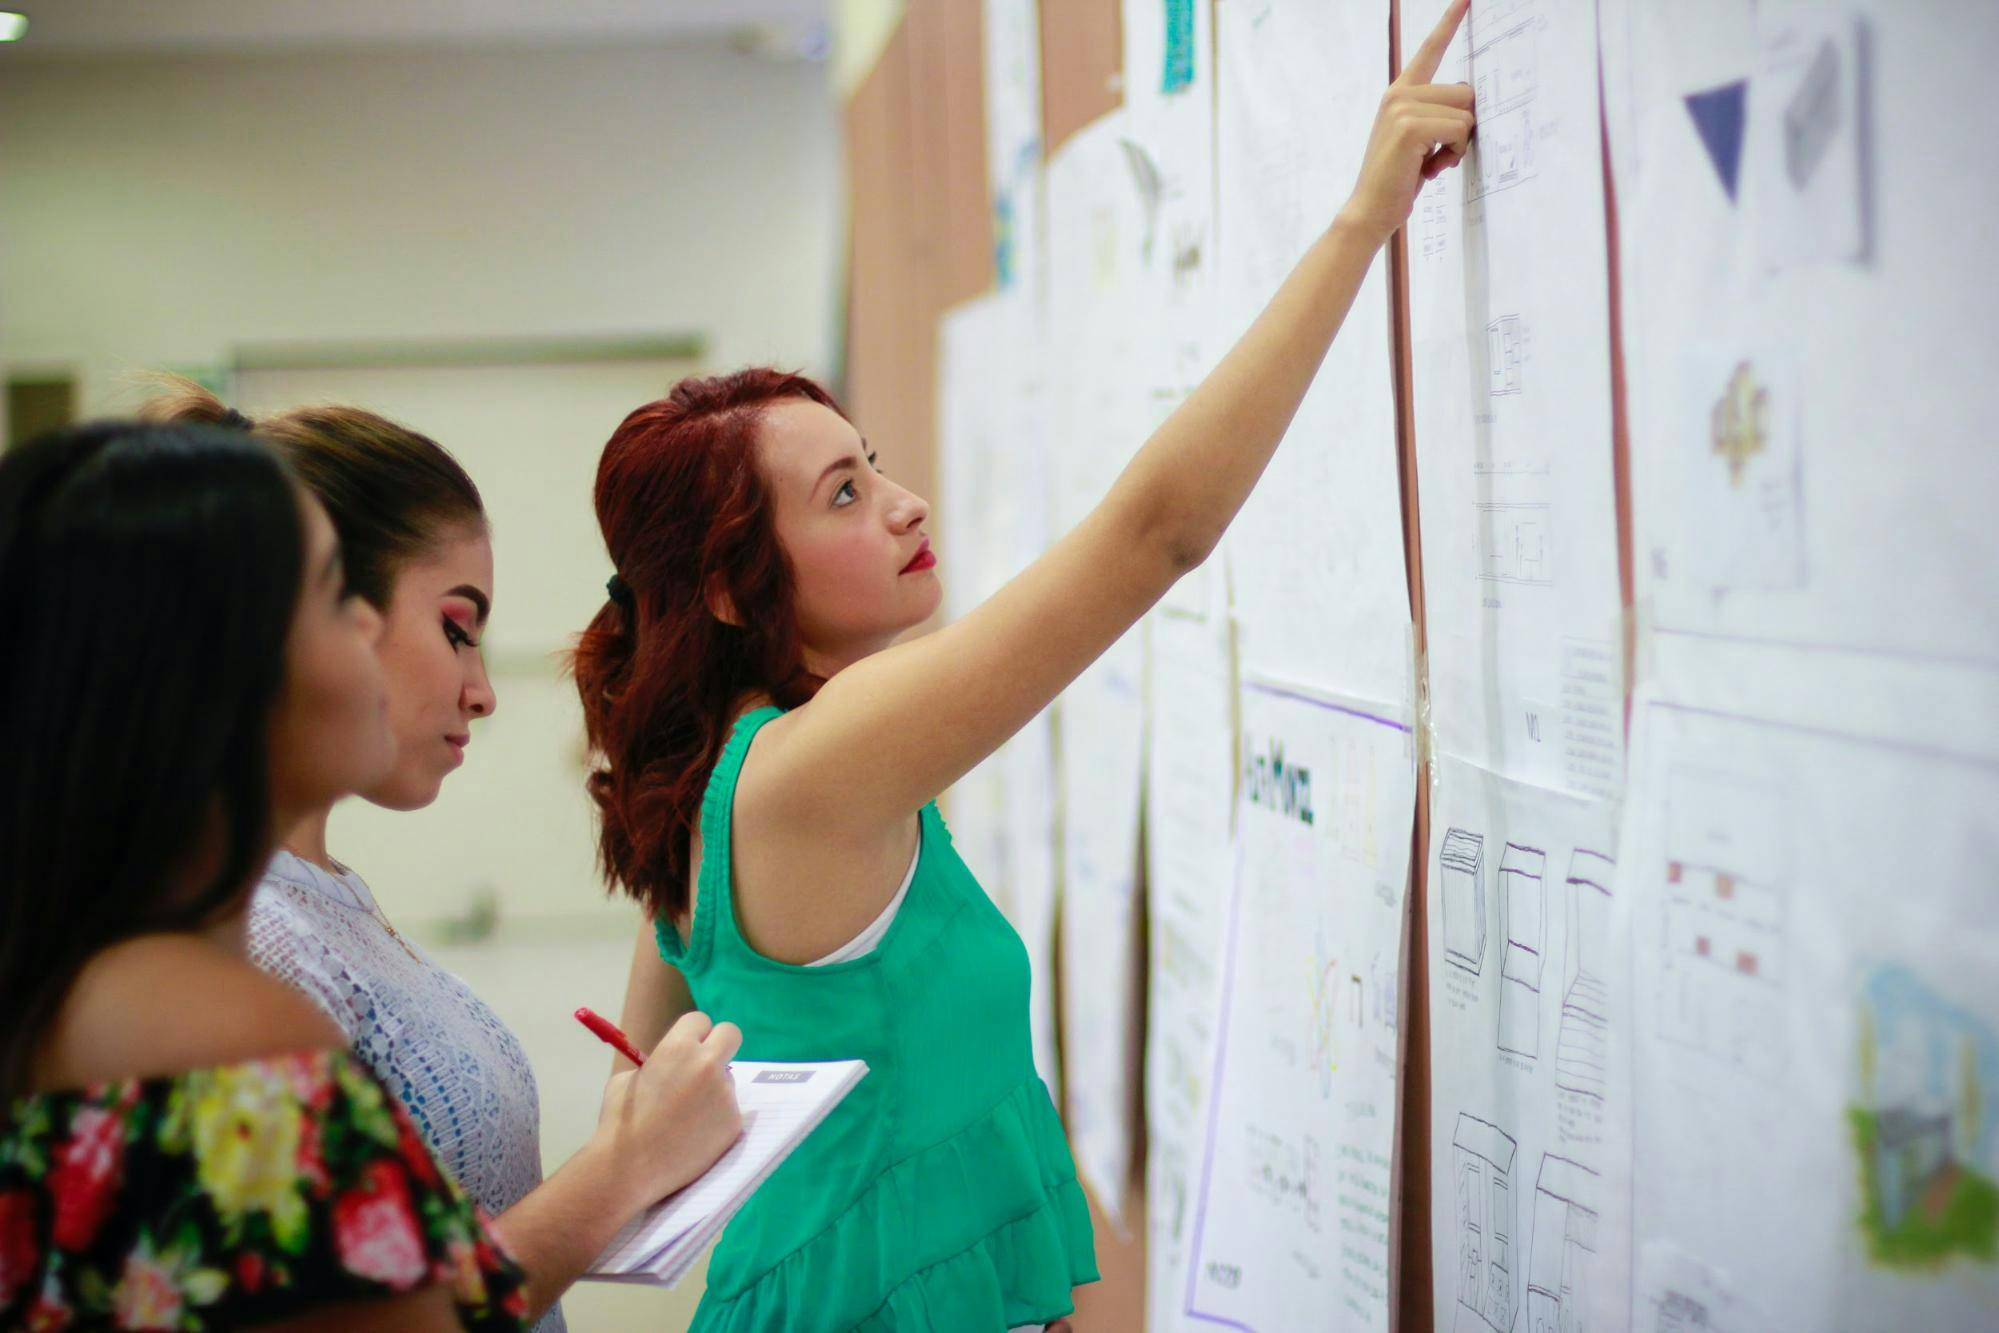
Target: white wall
159, 211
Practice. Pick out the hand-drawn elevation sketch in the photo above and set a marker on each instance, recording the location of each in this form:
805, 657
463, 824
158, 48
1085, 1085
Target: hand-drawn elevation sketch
1723, 974
1563, 1247
1505, 74
1521, 898
1461, 883
1513, 543
1482, 1208
1925, 1127
1581, 1046
1506, 347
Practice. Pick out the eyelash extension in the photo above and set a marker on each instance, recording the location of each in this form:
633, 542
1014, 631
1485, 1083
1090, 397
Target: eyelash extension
456, 635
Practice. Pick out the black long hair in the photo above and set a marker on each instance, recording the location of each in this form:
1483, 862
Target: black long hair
148, 577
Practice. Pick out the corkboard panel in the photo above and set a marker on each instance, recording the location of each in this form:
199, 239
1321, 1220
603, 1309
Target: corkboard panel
919, 229
1082, 65
948, 96
1117, 1301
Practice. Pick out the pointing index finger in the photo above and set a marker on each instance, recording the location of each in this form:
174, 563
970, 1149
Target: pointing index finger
1422, 67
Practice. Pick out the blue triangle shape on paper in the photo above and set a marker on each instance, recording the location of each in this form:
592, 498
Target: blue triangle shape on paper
1717, 114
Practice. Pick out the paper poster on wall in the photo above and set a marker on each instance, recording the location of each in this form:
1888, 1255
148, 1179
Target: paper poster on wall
1292, 1214
996, 489
1510, 332
1102, 730
1097, 420
1523, 1198
1190, 800
1169, 145
1092, 319
1012, 50
1806, 352
1803, 926
1316, 562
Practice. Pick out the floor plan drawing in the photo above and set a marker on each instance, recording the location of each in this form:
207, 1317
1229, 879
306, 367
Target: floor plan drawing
1724, 937
1505, 76
1513, 543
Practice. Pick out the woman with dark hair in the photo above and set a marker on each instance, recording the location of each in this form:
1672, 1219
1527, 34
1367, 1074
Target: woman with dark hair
769, 757
418, 551
184, 1142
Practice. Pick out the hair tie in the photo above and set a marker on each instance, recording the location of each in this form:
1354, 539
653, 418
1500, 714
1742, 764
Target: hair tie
619, 591
235, 420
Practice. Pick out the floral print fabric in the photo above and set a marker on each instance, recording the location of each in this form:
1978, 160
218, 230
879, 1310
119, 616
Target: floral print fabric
225, 1196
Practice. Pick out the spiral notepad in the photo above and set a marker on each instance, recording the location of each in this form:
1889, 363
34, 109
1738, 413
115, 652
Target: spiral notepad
781, 1104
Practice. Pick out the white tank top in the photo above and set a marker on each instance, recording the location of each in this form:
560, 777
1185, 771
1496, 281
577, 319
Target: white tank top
872, 936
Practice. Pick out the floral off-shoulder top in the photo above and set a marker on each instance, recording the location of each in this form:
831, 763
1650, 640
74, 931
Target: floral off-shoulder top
220, 1197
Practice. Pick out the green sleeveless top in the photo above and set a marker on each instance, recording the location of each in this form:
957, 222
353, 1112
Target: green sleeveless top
940, 1194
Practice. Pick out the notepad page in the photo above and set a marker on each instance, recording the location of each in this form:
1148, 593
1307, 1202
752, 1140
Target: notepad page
781, 1104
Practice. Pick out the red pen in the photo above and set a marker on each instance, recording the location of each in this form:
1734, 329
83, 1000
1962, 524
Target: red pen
607, 1032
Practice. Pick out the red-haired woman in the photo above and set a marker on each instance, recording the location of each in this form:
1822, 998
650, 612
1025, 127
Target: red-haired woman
767, 763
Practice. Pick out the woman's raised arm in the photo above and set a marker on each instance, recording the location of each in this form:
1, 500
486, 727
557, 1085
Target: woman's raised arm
892, 731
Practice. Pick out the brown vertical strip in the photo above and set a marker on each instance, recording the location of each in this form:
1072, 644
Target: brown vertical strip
1620, 427
1411, 1252
1082, 65
920, 219
967, 261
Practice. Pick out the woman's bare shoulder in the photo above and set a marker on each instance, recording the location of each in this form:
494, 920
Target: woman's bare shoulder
160, 1004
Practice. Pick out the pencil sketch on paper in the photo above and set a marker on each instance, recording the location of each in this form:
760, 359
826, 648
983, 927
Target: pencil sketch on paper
1513, 543
1562, 1255
1285, 1173
1506, 348
1461, 884
1482, 1221
1522, 894
1582, 1040
1505, 75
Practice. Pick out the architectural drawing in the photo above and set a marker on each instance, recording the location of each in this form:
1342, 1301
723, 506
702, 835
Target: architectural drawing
1581, 1046
1563, 1247
1521, 898
1723, 975
1513, 543
1482, 1220
1505, 352
1461, 886
1505, 74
